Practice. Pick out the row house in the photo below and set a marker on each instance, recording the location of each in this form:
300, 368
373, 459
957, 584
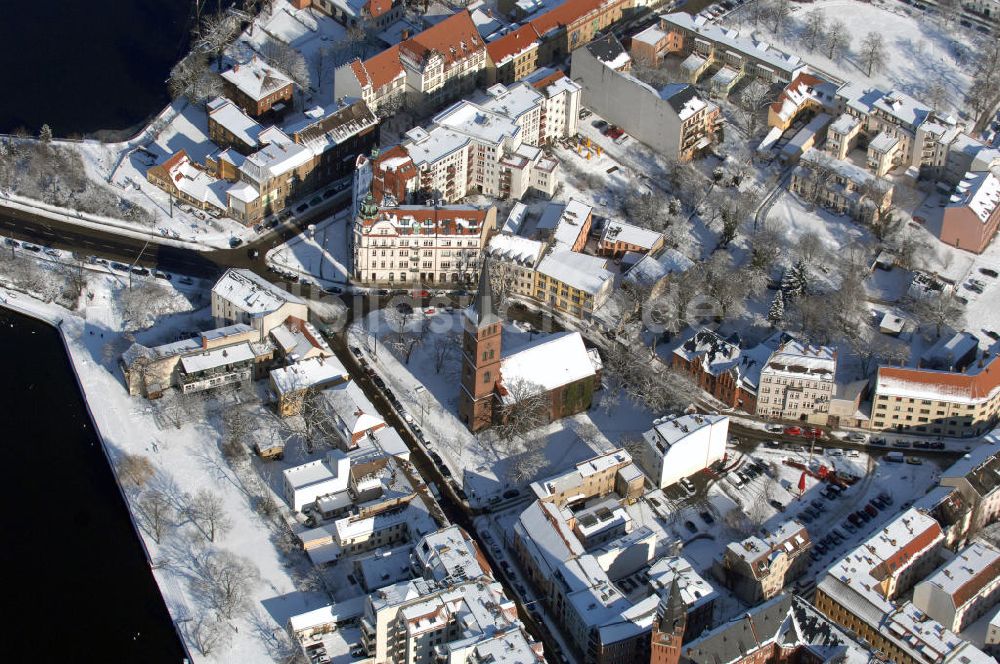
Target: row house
427, 70
944, 403
419, 245
513, 56
675, 120
514, 259
490, 146
963, 589
573, 283
976, 476
619, 238
704, 44
258, 88
573, 23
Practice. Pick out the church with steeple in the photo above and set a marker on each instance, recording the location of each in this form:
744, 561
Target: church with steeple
668, 628
559, 365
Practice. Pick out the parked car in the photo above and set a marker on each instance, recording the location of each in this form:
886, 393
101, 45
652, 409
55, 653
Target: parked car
914, 461
871, 510
510, 494
690, 526
856, 437
776, 505
901, 444
989, 272
599, 125
793, 431
774, 428
706, 517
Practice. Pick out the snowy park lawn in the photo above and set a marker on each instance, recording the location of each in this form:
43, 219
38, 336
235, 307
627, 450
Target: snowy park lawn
485, 466
185, 458
920, 50
321, 254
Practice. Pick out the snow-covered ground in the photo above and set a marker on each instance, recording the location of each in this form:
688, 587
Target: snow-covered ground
320, 252
430, 397
184, 450
921, 50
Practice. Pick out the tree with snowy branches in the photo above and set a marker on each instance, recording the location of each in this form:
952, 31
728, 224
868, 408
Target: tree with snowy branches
777, 311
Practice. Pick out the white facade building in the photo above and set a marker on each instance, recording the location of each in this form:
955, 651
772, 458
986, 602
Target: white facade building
240, 296
323, 477
963, 589
797, 383
678, 447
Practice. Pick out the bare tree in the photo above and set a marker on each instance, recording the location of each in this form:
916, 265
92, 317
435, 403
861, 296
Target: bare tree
194, 79
208, 513
286, 59
751, 107
237, 425
225, 581
873, 54
778, 12
526, 465
813, 29
809, 246
939, 310
503, 276
142, 304
134, 470
837, 40
154, 512
445, 349
526, 406
207, 633
983, 95
216, 32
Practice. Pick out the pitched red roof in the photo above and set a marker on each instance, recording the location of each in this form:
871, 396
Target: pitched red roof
975, 386
802, 79
905, 553
455, 38
379, 70
377, 8
565, 14
512, 43
545, 82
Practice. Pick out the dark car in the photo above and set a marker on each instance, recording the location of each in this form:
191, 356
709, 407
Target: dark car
936, 445
901, 443
690, 526
302, 208
378, 381
356, 351
435, 457
444, 471
461, 493
600, 125
706, 517
776, 505
921, 444
235, 242
511, 493
141, 271
871, 510
989, 272
329, 193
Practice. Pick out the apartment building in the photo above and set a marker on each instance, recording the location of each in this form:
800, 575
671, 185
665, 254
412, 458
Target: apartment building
492, 145
840, 186
573, 23
680, 446
428, 70
258, 88
859, 593
797, 382
565, 225
302, 485
410, 244
943, 403
513, 56
240, 296
675, 120
977, 477
963, 589
513, 260
757, 569
572, 283
972, 214
368, 14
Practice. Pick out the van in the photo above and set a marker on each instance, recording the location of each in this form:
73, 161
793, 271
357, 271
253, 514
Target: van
894, 457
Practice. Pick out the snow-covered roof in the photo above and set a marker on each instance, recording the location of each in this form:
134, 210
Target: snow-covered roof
652, 35
477, 121
449, 553
980, 192
694, 589
762, 51
232, 118
901, 107
307, 374
968, 573
195, 183
251, 293
791, 539
217, 357
255, 78
549, 362
619, 231
844, 124
795, 359
886, 553
329, 615
580, 271
650, 269
883, 142
515, 219
353, 408
564, 221
512, 101
277, 157
609, 51
334, 126
515, 248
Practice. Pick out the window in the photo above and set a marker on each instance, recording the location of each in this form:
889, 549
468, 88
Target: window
486, 378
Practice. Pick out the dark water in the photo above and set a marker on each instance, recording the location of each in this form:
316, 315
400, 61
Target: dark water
85, 66
76, 582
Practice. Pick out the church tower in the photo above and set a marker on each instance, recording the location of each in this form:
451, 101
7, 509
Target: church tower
668, 629
480, 356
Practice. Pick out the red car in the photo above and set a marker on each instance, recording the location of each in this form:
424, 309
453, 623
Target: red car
615, 132
809, 432
793, 431
421, 293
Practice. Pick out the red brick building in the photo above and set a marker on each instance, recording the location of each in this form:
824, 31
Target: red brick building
258, 88
722, 368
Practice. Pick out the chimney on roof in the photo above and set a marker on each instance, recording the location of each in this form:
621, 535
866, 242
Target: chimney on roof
236, 67
404, 34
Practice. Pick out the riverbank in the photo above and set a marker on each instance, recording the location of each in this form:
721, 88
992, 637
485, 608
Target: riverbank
182, 444
104, 575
